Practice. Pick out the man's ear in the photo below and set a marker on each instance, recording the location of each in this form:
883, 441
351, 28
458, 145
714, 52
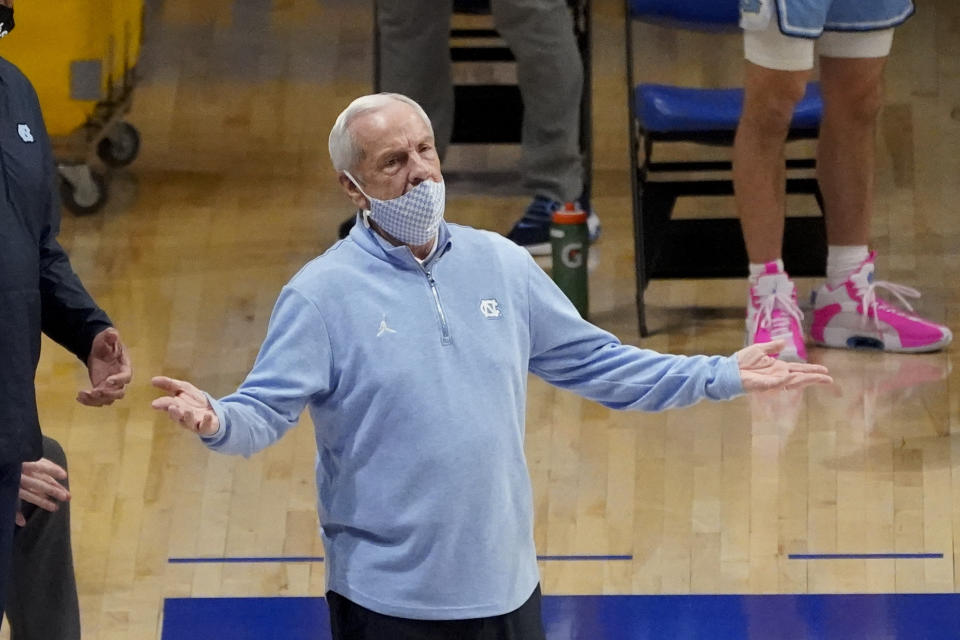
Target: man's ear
356, 197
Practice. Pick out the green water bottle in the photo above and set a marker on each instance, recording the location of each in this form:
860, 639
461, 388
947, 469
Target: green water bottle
570, 240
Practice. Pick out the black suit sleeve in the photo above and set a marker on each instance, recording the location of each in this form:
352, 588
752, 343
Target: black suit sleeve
68, 313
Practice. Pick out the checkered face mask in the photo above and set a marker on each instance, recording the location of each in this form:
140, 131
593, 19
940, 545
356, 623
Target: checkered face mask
412, 218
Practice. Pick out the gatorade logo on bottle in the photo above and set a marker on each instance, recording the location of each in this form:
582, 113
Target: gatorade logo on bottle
572, 255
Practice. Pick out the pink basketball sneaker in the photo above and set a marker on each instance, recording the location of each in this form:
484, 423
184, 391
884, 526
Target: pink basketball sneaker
773, 314
853, 316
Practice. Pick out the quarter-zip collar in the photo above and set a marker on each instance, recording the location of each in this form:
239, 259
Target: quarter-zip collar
401, 256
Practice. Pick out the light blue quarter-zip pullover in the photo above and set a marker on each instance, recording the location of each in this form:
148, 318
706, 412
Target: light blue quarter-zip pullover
416, 378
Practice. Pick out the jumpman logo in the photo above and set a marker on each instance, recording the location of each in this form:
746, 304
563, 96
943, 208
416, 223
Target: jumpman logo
383, 327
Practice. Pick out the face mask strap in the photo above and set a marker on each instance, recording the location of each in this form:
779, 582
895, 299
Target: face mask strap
356, 183
364, 213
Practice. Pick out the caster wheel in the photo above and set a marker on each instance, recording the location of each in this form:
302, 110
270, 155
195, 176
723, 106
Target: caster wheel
120, 147
83, 191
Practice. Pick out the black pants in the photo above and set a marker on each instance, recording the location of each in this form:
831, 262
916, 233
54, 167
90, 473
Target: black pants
350, 621
9, 491
42, 597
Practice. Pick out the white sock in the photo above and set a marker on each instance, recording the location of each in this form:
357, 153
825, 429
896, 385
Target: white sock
758, 269
842, 261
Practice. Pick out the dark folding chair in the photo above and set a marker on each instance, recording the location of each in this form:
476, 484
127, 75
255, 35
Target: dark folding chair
711, 247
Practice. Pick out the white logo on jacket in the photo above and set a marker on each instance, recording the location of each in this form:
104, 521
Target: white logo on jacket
490, 308
24, 132
383, 327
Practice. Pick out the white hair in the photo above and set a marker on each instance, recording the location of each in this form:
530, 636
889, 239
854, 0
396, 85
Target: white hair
344, 150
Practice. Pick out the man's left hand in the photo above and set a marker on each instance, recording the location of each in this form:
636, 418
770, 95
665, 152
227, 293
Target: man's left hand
110, 370
759, 371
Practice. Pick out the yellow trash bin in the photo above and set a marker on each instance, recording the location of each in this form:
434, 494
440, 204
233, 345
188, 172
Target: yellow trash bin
79, 55
61, 49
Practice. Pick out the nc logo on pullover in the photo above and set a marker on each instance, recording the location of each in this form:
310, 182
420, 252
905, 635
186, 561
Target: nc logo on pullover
490, 308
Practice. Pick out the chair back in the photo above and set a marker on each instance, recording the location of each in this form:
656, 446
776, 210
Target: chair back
696, 15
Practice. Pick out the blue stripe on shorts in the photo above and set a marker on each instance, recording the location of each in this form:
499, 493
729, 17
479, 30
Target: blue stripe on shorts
809, 18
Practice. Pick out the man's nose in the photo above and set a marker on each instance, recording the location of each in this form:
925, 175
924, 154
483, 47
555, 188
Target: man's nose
420, 169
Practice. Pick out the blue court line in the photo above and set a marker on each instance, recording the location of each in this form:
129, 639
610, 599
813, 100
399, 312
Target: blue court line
579, 558
320, 559
245, 559
932, 616
862, 556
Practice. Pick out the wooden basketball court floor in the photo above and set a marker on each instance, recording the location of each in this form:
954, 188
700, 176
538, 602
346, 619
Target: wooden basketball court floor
852, 489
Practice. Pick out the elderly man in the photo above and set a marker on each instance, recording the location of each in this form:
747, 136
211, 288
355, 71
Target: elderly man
410, 341
38, 291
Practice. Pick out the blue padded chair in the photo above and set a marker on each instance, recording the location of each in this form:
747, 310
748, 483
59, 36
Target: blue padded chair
714, 247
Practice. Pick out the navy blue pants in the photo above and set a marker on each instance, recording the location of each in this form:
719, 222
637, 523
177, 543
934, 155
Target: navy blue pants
350, 621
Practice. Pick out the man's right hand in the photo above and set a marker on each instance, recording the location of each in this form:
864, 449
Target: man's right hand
186, 405
40, 486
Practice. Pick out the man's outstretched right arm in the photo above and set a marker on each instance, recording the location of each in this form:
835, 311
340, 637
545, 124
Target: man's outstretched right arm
293, 366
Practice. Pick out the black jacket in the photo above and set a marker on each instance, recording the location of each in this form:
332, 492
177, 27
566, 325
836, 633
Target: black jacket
38, 289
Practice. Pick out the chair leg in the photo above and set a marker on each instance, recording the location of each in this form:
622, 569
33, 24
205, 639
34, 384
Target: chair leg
639, 259
652, 208
656, 203
819, 196
638, 187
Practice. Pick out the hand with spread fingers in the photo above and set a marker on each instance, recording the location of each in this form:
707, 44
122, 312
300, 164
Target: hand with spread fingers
759, 371
40, 486
186, 405
110, 370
